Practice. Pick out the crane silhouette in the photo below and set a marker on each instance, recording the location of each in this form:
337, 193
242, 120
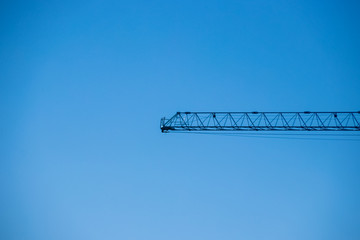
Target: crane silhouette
261, 121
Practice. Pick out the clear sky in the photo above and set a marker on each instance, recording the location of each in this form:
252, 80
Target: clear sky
85, 83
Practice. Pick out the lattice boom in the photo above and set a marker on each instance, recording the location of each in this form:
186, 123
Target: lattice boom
262, 121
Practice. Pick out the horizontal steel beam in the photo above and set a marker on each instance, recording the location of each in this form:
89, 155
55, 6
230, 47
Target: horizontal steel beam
262, 121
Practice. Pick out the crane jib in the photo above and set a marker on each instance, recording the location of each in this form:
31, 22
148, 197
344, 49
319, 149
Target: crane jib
262, 121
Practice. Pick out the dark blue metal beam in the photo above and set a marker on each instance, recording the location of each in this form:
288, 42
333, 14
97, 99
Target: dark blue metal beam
262, 121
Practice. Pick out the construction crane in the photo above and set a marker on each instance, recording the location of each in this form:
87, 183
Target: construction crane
262, 121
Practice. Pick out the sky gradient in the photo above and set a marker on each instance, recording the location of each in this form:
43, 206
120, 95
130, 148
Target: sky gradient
85, 83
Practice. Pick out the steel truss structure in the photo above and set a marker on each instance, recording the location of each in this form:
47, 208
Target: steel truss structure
262, 121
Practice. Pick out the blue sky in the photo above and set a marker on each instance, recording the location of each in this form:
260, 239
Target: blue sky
84, 85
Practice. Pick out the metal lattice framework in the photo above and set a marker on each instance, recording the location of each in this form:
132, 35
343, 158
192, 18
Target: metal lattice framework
262, 121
